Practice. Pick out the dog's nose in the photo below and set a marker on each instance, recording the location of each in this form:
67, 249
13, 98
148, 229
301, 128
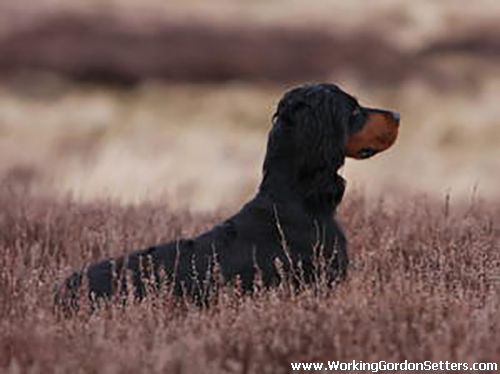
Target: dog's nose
396, 116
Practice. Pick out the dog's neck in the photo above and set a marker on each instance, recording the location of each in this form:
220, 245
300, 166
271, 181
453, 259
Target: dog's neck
319, 191
288, 178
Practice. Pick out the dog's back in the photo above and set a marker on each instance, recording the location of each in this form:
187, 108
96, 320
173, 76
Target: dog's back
249, 242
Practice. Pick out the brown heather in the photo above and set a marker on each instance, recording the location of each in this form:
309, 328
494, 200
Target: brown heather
424, 285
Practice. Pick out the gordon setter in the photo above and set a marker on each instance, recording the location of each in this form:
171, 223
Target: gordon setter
289, 221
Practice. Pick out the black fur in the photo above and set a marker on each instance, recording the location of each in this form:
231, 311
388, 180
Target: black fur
290, 218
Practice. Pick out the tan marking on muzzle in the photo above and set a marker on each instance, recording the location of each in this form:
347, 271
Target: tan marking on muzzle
378, 133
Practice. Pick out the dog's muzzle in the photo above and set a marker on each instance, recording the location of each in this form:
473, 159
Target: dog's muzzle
378, 133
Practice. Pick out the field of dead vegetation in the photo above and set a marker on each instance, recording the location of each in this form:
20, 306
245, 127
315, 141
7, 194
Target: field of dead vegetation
424, 285
148, 101
201, 147
125, 124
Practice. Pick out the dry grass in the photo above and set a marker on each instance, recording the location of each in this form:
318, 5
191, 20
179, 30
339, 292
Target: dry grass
425, 277
424, 285
201, 146
411, 23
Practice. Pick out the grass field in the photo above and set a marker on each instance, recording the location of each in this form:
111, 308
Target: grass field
424, 285
200, 147
89, 170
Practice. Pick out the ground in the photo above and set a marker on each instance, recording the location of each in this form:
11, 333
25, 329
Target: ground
90, 170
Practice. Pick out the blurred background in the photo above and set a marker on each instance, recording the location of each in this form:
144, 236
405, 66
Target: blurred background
172, 101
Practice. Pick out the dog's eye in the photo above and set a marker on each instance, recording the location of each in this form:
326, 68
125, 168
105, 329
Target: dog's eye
356, 112
366, 152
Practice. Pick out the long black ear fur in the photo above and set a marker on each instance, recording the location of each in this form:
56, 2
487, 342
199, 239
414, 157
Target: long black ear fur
319, 136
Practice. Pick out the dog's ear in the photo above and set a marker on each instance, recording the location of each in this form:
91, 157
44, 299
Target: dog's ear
319, 136
317, 124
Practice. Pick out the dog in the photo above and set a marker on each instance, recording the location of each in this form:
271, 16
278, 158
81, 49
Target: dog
285, 227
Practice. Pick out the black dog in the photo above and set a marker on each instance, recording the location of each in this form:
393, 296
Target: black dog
289, 221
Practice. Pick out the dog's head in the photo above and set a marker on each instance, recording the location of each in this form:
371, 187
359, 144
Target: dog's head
326, 119
315, 128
